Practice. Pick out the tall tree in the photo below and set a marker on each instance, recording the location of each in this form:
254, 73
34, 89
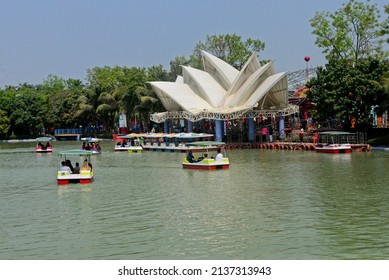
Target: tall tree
353, 32
349, 85
346, 91
229, 47
175, 66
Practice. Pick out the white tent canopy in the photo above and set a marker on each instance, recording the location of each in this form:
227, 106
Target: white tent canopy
223, 92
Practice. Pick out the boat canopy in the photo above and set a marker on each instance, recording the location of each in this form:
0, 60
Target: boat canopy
206, 143
168, 135
75, 152
43, 139
334, 133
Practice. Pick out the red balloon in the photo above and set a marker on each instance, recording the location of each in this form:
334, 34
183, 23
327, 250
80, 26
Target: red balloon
307, 58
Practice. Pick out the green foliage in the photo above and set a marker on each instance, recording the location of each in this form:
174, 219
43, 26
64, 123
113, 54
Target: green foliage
379, 141
5, 122
353, 80
346, 91
351, 33
229, 48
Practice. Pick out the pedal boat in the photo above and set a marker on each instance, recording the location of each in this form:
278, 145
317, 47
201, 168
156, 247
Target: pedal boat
42, 148
205, 162
85, 176
93, 143
128, 143
333, 148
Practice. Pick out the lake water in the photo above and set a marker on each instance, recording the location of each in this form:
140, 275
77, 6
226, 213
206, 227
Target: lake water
270, 204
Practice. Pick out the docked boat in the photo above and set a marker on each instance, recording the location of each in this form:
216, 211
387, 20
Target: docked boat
220, 161
333, 148
333, 142
91, 144
175, 142
128, 143
83, 175
44, 145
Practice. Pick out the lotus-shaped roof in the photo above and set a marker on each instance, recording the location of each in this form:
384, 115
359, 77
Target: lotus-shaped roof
222, 92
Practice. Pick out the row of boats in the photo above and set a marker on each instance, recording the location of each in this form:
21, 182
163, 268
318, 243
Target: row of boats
135, 143
91, 146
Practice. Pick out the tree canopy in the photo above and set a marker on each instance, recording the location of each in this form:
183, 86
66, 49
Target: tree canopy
351, 83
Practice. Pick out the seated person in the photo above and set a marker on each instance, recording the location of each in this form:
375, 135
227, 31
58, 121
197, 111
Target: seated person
76, 169
85, 166
190, 157
68, 163
219, 156
64, 167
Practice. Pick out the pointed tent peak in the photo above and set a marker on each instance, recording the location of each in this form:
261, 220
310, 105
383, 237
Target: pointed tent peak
162, 91
251, 65
204, 85
220, 70
250, 85
175, 96
179, 79
273, 91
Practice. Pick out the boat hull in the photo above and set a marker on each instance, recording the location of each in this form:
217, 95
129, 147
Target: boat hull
129, 149
64, 177
334, 148
207, 164
47, 150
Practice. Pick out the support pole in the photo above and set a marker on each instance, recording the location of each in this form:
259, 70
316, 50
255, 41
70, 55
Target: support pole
282, 128
166, 126
219, 130
190, 126
250, 122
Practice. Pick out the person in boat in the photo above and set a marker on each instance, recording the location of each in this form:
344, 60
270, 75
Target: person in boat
48, 144
64, 167
219, 156
83, 145
69, 163
76, 169
190, 157
98, 148
85, 166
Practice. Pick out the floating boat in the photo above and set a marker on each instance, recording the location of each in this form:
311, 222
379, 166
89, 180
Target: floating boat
174, 142
205, 162
333, 148
129, 143
91, 144
333, 142
86, 172
44, 148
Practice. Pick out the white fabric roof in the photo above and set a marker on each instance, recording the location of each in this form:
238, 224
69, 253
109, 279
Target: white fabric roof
222, 89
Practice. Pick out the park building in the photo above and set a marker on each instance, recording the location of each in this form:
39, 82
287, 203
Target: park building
222, 95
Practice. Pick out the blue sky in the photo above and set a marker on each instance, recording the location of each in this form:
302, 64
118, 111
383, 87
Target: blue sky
67, 37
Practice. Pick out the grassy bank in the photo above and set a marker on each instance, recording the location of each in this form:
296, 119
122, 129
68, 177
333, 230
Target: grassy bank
379, 141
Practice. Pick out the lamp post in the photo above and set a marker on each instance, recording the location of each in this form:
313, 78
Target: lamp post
307, 59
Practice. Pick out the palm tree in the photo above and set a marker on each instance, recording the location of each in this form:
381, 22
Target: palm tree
148, 103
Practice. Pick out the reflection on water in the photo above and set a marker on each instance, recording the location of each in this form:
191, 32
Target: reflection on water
268, 205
